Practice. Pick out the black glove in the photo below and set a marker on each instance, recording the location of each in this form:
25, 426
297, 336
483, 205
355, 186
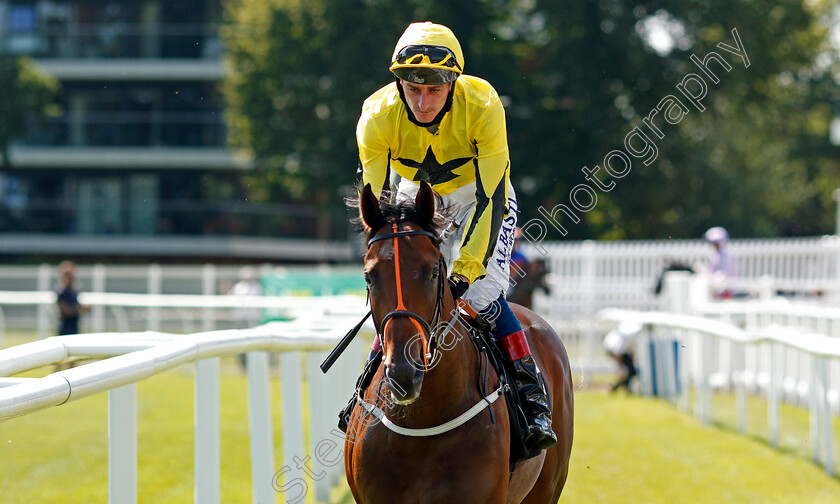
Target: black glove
458, 285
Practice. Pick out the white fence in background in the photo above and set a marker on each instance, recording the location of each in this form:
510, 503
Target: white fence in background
584, 276
130, 358
153, 279
795, 364
588, 276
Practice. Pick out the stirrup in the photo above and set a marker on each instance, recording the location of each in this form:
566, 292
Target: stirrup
344, 415
361, 384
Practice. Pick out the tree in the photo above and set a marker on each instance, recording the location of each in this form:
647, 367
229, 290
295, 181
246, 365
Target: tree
576, 78
26, 91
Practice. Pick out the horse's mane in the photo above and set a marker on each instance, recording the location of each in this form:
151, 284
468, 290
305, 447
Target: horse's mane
405, 209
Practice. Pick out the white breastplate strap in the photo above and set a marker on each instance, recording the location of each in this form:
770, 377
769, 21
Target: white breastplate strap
440, 429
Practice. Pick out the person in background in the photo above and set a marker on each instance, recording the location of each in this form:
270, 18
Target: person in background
67, 298
722, 266
246, 316
620, 343
248, 285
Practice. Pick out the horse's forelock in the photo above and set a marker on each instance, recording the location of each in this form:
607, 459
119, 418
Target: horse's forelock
403, 211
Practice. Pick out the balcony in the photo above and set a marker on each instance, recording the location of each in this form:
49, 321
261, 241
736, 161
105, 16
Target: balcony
116, 41
131, 129
120, 214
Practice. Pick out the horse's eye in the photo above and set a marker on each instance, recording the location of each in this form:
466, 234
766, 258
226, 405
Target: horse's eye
435, 274
367, 279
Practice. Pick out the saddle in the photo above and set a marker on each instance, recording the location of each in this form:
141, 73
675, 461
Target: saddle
490, 350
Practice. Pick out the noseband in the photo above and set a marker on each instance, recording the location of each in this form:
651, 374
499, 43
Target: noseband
425, 328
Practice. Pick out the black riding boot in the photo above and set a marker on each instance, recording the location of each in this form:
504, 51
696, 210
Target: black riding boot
528, 381
531, 388
373, 360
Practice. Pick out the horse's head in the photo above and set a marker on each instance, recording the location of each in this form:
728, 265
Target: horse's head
406, 278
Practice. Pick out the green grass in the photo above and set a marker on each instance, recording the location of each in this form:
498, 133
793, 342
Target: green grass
61, 454
627, 449
630, 449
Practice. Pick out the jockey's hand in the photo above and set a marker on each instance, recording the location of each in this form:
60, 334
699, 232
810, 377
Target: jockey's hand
458, 284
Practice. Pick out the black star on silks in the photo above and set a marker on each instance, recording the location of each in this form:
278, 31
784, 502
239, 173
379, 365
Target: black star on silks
431, 170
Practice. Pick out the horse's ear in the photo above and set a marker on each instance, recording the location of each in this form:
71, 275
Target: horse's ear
425, 202
369, 209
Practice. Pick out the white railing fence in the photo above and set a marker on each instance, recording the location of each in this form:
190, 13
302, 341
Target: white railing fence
587, 276
129, 358
584, 277
153, 279
680, 349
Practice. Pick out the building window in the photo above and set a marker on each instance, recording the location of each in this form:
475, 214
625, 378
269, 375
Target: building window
22, 18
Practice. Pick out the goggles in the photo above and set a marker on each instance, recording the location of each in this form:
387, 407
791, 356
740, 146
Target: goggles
427, 56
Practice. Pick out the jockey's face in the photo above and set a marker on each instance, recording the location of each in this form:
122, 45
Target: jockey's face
425, 100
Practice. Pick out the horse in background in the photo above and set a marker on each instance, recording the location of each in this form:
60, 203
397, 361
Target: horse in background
526, 280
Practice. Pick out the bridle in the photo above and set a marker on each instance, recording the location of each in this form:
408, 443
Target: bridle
424, 327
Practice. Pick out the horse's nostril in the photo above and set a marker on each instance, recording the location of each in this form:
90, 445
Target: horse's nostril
404, 383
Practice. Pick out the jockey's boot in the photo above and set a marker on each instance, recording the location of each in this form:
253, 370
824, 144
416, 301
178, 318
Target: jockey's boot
529, 382
361, 383
531, 389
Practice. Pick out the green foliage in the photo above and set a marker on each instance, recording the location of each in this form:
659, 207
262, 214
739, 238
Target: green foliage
26, 91
576, 77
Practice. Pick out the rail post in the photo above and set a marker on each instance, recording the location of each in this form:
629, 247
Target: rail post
207, 432
208, 288
773, 397
827, 419
122, 445
154, 281
97, 312
260, 426
43, 322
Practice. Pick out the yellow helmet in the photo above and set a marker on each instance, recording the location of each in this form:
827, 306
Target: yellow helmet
427, 53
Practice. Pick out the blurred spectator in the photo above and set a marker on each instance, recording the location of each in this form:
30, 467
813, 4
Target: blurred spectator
68, 299
722, 266
248, 285
620, 343
246, 316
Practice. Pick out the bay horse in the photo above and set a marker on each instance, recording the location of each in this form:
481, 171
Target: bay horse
526, 281
423, 431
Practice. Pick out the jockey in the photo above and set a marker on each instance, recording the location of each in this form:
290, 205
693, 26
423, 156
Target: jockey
435, 124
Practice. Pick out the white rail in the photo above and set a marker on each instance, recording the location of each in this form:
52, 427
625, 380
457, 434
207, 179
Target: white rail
588, 276
117, 302
690, 341
129, 358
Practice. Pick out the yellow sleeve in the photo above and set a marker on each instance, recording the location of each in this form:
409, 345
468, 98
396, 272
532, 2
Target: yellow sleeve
374, 155
491, 184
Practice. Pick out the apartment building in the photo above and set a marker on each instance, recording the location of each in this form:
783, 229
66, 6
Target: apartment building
136, 163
